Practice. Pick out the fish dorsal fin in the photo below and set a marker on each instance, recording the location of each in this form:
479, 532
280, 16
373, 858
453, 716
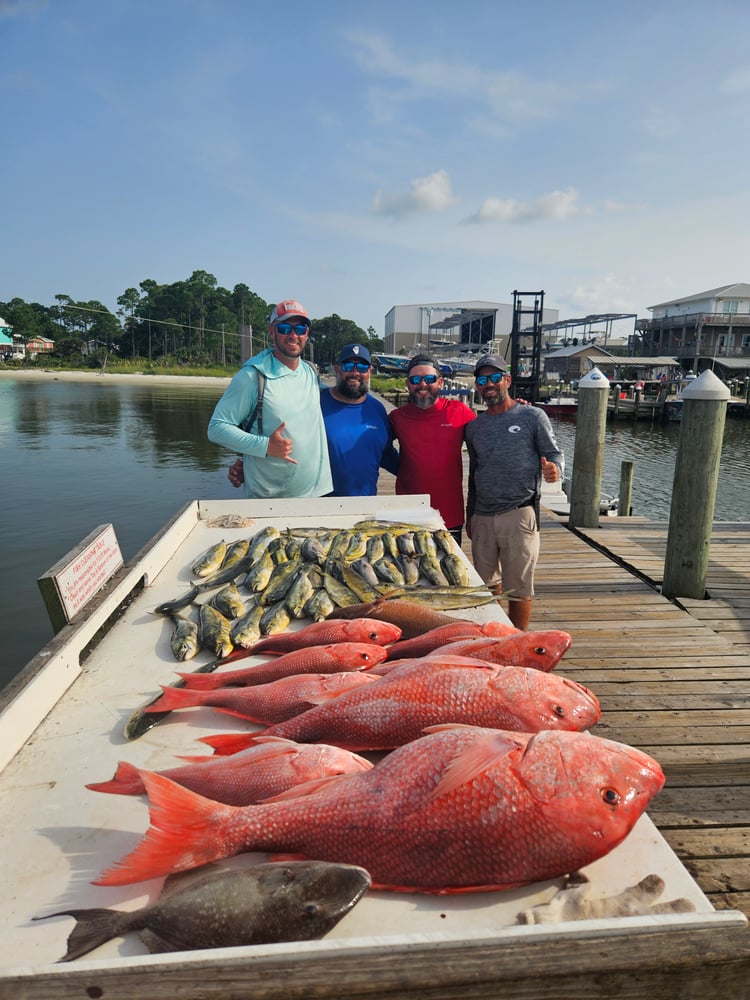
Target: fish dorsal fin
473, 759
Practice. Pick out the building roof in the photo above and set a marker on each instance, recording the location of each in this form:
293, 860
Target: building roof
569, 352
738, 364
635, 362
739, 290
5, 340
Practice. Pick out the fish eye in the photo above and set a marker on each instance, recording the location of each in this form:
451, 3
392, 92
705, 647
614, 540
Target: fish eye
540, 650
559, 711
310, 910
373, 635
610, 796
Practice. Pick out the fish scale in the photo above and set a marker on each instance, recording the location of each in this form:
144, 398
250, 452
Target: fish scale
432, 691
460, 809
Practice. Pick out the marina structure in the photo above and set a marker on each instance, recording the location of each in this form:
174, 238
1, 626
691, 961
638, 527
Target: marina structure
709, 329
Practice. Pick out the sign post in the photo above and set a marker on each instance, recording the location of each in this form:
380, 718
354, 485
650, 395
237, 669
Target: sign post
71, 583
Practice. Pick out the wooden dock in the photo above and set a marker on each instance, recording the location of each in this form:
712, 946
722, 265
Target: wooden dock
673, 678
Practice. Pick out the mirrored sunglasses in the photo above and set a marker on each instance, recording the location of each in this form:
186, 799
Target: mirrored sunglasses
349, 366
495, 377
419, 379
286, 329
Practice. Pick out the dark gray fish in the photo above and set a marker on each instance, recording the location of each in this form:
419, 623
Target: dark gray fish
179, 602
219, 908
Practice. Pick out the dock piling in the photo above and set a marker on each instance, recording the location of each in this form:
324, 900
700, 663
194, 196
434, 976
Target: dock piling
696, 476
588, 459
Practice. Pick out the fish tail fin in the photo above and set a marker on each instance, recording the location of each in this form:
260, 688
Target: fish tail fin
187, 830
93, 928
175, 697
127, 781
228, 743
201, 682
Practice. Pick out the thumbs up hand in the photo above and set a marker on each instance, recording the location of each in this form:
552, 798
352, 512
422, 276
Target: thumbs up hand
549, 471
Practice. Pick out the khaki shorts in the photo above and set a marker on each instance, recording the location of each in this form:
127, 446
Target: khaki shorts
505, 549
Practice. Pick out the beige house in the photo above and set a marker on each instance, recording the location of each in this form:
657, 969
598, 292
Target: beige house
707, 330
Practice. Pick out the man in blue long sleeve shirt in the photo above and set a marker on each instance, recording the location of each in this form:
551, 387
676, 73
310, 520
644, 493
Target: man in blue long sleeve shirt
360, 441
289, 456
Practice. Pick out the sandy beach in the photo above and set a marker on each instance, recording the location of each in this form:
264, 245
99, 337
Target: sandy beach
52, 374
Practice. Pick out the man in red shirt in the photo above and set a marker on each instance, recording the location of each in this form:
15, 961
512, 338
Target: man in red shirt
430, 432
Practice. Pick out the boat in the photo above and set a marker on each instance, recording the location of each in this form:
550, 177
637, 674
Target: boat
559, 406
396, 364
556, 497
61, 725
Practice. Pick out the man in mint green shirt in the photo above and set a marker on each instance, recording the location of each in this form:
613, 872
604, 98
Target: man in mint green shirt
284, 447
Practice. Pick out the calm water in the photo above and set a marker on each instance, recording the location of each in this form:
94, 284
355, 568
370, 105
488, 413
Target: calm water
77, 455
653, 448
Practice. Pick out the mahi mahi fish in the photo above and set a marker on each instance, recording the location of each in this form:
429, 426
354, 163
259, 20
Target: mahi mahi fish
261, 771
291, 901
460, 809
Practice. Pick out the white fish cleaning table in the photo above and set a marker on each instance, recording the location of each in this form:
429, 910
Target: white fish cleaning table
61, 727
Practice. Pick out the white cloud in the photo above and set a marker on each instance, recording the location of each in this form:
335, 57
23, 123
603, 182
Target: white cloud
505, 95
426, 194
603, 295
661, 123
736, 82
553, 205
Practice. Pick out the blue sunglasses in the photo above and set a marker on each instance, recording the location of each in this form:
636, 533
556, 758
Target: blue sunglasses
419, 379
286, 329
349, 366
495, 377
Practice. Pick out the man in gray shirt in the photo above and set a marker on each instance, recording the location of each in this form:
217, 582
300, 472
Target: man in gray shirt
510, 448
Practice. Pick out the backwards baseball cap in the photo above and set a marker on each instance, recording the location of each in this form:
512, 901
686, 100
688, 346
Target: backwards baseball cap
354, 352
287, 309
491, 361
422, 359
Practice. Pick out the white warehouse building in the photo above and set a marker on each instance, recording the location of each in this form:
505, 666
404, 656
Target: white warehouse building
450, 327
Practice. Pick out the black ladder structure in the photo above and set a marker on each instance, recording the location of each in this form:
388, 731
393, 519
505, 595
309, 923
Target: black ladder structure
526, 345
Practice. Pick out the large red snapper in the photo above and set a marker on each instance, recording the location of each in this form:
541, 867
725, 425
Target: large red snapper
421, 645
432, 691
541, 649
265, 703
381, 633
461, 809
266, 769
333, 658
411, 617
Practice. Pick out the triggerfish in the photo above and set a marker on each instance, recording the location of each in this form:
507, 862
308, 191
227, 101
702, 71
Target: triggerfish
293, 901
461, 809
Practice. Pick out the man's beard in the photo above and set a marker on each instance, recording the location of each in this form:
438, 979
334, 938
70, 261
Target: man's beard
353, 388
422, 401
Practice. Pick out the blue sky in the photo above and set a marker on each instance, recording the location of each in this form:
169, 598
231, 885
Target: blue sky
360, 155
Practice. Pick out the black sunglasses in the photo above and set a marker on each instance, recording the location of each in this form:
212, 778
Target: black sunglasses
419, 379
495, 377
349, 366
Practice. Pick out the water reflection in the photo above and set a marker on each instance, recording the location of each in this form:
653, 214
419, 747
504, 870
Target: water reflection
653, 449
77, 455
